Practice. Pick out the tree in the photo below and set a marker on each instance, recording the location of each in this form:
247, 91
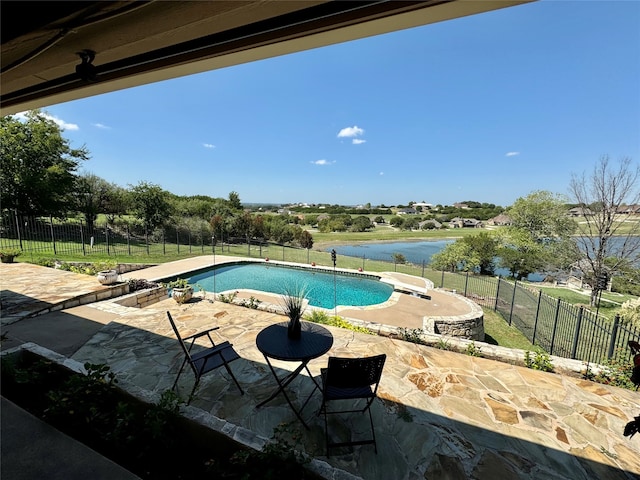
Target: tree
234, 201
608, 237
542, 214
95, 195
520, 254
456, 256
37, 167
305, 239
361, 224
151, 204
484, 247
539, 236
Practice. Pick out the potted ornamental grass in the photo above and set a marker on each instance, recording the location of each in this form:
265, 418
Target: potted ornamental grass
7, 255
294, 303
181, 291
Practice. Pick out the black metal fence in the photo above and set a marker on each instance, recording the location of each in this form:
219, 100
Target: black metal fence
558, 327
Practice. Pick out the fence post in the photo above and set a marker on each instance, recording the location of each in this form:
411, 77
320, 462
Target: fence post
146, 238
614, 336
283, 252
442, 279
189, 239
15, 214
128, 241
106, 236
53, 237
555, 325
422, 266
466, 282
84, 251
495, 306
535, 322
164, 244
178, 240
362, 261
513, 300
576, 335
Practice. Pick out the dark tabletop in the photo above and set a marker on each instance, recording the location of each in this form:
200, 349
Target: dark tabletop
314, 341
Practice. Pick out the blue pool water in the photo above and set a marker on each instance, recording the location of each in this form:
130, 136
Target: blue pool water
349, 290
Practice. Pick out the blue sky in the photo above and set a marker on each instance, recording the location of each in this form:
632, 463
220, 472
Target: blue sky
488, 108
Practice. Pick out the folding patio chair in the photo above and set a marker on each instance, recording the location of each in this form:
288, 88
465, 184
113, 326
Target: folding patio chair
351, 379
207, 360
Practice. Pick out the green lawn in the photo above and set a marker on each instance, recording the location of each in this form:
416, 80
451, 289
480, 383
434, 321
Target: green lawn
498, 332
386, 233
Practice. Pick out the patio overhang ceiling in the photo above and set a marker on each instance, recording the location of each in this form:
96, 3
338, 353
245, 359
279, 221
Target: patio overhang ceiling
54, 52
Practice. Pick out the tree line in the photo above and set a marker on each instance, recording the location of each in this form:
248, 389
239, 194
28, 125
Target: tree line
39, 176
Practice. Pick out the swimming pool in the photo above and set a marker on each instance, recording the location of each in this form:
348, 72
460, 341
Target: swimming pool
350, 290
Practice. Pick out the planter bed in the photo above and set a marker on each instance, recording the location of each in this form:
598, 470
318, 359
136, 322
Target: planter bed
152, 441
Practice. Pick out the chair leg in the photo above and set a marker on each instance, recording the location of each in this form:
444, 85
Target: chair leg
373, 432
234, 378
193, 390
179, 373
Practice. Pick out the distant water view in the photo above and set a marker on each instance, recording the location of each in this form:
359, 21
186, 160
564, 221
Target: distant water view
414, 252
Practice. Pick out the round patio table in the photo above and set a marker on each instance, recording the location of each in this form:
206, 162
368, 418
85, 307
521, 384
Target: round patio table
274, 343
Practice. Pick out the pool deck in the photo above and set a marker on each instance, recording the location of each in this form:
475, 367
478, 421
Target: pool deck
441, 415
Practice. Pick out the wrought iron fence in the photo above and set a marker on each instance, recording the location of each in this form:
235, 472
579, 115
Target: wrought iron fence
556, 326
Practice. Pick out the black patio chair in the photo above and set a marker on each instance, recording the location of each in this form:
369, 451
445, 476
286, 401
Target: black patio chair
207, 360
351, 379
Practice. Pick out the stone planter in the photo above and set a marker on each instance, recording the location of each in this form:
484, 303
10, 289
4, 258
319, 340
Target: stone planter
107, 277
182, 295
7, 258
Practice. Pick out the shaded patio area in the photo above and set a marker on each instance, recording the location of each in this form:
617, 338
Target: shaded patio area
441, 415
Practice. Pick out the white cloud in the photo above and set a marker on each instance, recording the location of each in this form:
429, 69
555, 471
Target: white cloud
101, 125
22, 116
512, 154
354, 131
323, 162
358, 141
208, 145
61, 123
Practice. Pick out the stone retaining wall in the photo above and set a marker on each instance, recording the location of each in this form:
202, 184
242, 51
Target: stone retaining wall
469, 326
143, 298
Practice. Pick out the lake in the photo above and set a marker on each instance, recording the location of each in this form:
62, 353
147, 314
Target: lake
414, 252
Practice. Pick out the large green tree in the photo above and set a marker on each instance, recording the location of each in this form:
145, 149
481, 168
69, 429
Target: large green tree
37, 165
539, 237
458, 255
94, 195
151, 204
484, 247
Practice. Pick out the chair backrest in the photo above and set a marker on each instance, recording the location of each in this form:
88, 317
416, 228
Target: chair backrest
355, 372
182, 344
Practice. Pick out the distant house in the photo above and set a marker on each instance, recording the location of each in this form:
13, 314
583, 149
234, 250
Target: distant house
500, 220
628, 210
323, 216
579, 212
407, 211
461, 205
459, 222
